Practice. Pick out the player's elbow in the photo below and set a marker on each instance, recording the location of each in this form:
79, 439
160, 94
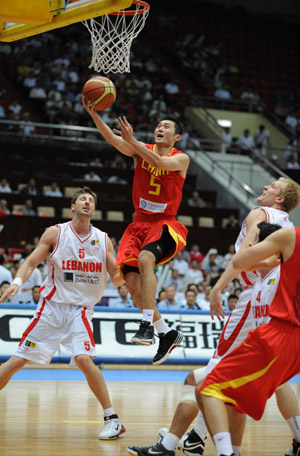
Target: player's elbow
238, 263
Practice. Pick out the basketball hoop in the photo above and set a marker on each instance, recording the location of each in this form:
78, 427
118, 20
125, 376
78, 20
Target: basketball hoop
112, 36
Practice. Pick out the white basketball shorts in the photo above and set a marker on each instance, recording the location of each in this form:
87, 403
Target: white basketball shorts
55, 324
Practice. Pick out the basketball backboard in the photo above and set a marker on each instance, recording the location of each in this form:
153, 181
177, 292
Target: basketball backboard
20, 19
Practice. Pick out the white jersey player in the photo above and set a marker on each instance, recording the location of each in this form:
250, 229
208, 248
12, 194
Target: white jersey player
263, 293
79, 257
240, 321
275, 202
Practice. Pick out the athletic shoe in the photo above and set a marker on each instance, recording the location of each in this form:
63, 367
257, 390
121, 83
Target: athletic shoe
113, 428
145, 334
157, 449
295, 451
167, 343
191, 444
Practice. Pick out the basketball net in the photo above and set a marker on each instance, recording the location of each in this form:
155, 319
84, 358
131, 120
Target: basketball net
112, 36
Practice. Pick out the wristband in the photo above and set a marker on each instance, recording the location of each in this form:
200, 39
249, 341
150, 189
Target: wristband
17, 281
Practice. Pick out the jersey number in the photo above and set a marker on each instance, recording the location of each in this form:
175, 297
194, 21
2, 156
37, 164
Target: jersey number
81, 253
156, 186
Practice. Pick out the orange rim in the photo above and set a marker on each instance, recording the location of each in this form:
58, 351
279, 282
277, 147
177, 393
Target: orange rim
133, 12
128, 12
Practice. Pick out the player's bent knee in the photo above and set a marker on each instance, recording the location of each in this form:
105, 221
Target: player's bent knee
146, 260
83, 362
188, 394
190, 379
15, 363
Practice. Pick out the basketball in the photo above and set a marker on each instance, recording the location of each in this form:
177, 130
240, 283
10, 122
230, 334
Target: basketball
100, 92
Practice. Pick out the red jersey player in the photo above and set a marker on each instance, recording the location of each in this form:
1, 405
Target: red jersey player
155, 236
269, 356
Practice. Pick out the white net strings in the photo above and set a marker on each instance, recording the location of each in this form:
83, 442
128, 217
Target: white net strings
112, 37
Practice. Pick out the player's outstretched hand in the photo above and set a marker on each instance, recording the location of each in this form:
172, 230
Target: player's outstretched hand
11, 290
90, 110
216, 306
126, 130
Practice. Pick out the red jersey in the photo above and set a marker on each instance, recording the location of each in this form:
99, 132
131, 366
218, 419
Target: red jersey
154, 190
286, 303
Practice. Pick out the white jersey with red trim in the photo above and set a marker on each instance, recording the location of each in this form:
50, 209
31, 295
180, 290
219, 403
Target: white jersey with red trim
273, 216
263, 293
240, 321
76, 268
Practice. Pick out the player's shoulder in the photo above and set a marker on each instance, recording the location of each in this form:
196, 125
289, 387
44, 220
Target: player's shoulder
257, 214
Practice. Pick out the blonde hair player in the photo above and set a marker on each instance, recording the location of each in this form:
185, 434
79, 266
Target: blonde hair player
76, 252
275, 202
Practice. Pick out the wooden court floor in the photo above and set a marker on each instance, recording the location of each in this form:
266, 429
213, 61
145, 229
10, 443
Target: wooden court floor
62, 418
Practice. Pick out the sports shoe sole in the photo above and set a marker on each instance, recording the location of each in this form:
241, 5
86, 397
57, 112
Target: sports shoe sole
175, 344
137, 341
132, 452
122, 430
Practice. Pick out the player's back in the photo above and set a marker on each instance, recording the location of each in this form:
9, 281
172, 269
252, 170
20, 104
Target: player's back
286, 303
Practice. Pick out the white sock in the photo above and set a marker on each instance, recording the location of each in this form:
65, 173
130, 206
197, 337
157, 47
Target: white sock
161, 326
236, 450
148, 315
223, 443
170, 441
294, 424
200, 427
109, 411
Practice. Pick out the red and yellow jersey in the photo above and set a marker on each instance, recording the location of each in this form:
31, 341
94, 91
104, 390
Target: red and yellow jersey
286, 303
156, 191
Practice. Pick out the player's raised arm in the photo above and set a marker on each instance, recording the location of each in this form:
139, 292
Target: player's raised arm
282, 241
39, 254
114, 139
178, 162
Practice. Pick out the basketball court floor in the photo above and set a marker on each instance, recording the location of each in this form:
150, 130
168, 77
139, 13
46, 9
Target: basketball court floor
47, 412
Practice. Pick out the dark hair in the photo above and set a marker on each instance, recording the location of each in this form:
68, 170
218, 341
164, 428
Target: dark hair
4, 283
81, 191
1, 259
161, 291
232, 296
265, 229
178, 126
189, 290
